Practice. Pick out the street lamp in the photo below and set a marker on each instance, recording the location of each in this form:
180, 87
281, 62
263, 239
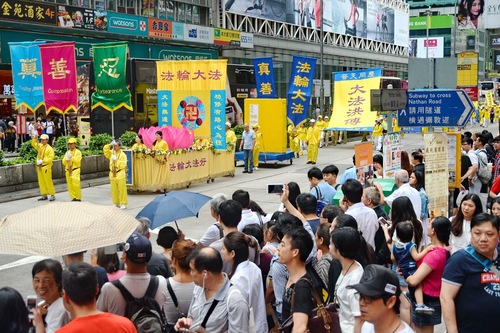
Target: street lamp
428, 13
321, 87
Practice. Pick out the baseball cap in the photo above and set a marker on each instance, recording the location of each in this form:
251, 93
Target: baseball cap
255, 125
312, 121
377, 281
228, 124
138, 248
44, 137
72, 140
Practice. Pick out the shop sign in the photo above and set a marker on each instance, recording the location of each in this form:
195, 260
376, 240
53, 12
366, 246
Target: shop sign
28, 11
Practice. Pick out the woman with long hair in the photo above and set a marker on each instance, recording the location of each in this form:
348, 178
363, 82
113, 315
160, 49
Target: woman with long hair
111, 263
468, 14
405, 162
159, 143
460, 224
417, 182
429, 274
322, 239
139, 143
14, 313
293, 193
495, 207
246, 275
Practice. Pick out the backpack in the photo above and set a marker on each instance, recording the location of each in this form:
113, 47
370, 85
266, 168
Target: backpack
144, 312
490, 153
320, 204
483, 173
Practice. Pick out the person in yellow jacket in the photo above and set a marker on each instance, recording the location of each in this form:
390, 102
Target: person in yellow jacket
302, 135
159, 143
259, 143
377, 134
139, 144
313, 138
117, 173
44, 161
294, 140
321, 125
230, 136
72, 162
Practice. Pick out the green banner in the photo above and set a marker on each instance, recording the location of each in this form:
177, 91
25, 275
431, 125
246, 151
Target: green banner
111, 90
436, 22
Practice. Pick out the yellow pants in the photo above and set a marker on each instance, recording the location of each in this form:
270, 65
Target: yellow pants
312, 153
256, 151
294, 145
119, 191
45, 180
74, 188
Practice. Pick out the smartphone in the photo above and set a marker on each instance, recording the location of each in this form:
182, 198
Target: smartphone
275, 188
383, 221
31, 304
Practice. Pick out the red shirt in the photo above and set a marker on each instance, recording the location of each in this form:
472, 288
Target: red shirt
99, 323
435, 259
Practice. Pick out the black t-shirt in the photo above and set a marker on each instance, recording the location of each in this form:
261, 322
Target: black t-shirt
303, 299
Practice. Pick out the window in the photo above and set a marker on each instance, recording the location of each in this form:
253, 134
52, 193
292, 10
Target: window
181, 12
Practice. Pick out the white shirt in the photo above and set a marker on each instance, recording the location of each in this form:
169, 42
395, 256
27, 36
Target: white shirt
57, 316
460, 242
50, 127
248, 279
211, 235
412, 194
367, 221
369, 328
349, 305
248, 217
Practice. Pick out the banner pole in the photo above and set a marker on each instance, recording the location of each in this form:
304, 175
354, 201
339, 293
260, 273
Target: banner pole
113, 124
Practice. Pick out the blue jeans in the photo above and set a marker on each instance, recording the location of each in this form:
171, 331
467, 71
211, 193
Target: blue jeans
248, 159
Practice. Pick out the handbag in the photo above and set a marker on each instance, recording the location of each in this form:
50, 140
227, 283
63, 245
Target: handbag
323, 318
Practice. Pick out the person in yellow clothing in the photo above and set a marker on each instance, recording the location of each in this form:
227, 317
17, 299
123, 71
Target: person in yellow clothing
294, 140
313, 138
377, 134
259, 142
230, 136
44, 161
117, 173
302, 135
72, 162
321, 125
159, 143
139, 144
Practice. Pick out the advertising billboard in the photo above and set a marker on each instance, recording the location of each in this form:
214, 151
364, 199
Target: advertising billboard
496, 60
361, 18
420, 46
481, 15
495, 41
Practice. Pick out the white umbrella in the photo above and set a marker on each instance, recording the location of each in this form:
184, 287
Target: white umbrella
63, 228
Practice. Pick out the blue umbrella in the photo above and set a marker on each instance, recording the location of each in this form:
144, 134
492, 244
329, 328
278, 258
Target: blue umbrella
172, 206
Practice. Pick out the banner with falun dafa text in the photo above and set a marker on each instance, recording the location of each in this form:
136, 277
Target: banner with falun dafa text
111, 91
59, 76
192, 94
351, 101
27, 74
300, 88
264, 77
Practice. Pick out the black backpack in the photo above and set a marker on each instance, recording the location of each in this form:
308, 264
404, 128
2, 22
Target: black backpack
144, 312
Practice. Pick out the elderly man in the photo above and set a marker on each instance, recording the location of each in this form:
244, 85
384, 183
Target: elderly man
404, 189
44, 161
247, 145
72, 162
217, 306
117, 173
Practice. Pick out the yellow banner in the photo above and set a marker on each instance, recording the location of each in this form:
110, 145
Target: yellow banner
191, 74
489, 98
351, 103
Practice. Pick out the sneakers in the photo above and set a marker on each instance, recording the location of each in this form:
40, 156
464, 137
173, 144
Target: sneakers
123, 207
245, 171
256, 169
422, 308
44, 197
75, 199
52, 198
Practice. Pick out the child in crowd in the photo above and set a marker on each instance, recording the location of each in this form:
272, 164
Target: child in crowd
270, 238
406, 256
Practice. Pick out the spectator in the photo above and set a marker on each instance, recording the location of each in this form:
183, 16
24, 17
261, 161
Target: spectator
405, 162
247, 216
80, 287
461, 223
495, 207
345, 243
14, 318
365, 217
246, 276
349, 173
47, 276
417, 182
465, 166
293, 193
330, 173
229, 218
137, 252
10, 137
371, 199
111, 263
307, 208
329, 213
216, 306
271, 238
157, 264
417, 159
378, 293
293, 252
319, 188
476, 186
102, 276
323, 243
261, 215
401, 179
429, 273
378, 165
181, 285
166, 238
214, 232
496, 169
469, 293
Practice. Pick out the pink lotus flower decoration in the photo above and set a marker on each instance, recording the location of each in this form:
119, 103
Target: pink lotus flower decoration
176, 138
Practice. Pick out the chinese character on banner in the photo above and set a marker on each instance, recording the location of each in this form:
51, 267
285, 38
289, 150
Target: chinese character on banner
264, 77
300, 88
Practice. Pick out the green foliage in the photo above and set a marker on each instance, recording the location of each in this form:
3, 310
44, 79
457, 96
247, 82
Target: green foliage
2, 157
128, 139
61, 145
27, 152
14, 161
238, 130
89, 152
97, 142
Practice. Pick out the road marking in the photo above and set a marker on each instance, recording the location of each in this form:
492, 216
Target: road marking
21, 262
